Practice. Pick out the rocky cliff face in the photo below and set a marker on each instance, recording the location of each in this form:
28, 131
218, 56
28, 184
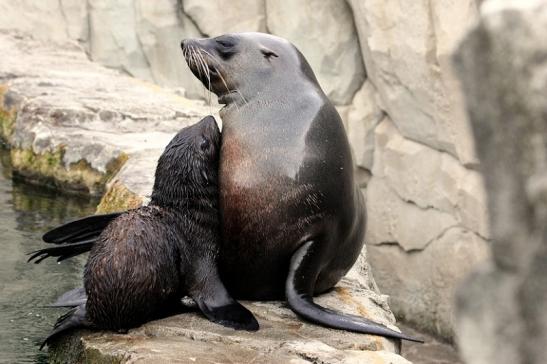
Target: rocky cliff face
385, 64
502, 315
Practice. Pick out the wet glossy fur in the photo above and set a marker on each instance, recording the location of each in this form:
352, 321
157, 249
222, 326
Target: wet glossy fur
147, 259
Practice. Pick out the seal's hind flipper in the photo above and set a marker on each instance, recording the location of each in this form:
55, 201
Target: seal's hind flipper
62, 252
74, 297
72, 319
86, 228
299, 288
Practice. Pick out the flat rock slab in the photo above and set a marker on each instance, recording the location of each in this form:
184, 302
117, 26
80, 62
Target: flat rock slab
282, 338
75, 123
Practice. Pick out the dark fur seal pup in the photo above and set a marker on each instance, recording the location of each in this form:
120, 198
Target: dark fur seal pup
147, 259
293, 218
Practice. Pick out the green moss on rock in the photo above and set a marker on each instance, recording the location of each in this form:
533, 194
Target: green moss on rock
73, 349
48, 169
7, 118
118, 198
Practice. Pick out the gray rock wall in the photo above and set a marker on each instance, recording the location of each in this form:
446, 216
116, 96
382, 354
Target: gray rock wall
385, 64
502, 316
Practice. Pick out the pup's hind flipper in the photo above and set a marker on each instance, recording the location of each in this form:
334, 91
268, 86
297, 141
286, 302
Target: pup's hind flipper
74, 297
62, 252
74, 318
89, 227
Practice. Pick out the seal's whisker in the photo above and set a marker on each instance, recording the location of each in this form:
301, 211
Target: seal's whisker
201, 52
200, 58
218, 70
194, 62
241, 95
202, 70
199, 66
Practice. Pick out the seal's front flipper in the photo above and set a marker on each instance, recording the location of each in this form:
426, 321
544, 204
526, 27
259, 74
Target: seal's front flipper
303, 272
218, 306
72, 319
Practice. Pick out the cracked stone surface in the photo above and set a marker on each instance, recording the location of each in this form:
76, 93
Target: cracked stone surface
427, 227
406, 50
282, 338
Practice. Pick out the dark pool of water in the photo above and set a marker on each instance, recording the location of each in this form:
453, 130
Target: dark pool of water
25, 213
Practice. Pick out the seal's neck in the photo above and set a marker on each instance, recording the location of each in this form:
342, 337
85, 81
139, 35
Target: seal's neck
182, 197
278, 99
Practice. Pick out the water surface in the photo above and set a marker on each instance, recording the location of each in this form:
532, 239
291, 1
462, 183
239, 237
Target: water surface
26, 212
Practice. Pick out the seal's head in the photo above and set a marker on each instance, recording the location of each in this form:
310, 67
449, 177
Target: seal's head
239, 66
189, 163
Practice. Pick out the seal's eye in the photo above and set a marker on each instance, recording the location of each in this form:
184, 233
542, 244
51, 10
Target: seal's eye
226, 47
204, 145
225, 43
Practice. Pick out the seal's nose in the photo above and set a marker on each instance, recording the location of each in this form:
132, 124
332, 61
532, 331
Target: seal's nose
183, 43
209, 126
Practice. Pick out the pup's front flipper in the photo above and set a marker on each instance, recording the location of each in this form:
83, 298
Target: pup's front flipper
218, 306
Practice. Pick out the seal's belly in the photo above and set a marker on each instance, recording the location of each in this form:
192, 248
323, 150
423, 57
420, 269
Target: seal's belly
271, 201
262, 225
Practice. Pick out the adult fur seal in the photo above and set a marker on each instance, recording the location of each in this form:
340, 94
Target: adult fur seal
292, 216
147, 259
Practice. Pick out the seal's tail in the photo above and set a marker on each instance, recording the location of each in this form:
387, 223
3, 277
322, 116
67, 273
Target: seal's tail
74, 238
299, 291
74, 318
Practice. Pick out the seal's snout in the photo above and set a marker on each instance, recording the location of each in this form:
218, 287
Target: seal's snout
210, 126
183, 43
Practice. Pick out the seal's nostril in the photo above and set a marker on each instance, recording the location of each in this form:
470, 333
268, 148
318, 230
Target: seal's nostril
182, 43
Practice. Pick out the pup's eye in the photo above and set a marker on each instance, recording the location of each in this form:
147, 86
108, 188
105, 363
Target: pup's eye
204, 145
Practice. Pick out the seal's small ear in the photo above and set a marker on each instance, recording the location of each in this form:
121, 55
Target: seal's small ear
268, 53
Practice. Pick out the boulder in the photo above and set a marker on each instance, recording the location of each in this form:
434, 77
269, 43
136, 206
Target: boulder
74, 124
502, 64
218, 17
323, 30
406, 51
429, 179
426, 280
143, 39
47, 19
363, 116
427, 227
